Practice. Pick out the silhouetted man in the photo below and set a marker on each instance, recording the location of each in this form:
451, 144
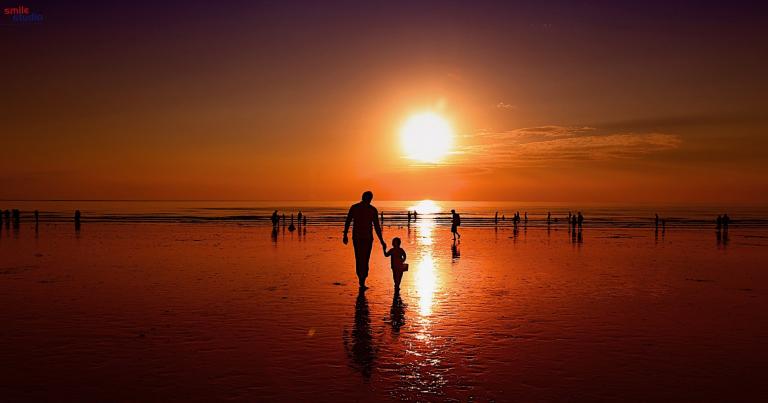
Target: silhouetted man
365, 218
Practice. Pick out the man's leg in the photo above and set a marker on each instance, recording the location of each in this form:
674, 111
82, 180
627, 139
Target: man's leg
362, 256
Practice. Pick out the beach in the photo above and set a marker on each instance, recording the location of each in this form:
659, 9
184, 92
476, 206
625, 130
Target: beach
217, 311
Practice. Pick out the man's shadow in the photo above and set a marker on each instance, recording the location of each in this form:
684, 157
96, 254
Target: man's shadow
359, 343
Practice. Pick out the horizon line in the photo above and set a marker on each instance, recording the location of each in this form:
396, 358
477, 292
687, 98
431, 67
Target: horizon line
385, 200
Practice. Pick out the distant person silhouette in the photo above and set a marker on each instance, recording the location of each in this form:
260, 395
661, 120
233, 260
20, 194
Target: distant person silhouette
77, 219
16, 218
496, 218
719, 222
299, 217
275, 219
573, 222
397, 262
291, 227
365, 218
726, 221
549, 217
304, 223
580, 219
455, 223
526, 218
283, 219
657, 220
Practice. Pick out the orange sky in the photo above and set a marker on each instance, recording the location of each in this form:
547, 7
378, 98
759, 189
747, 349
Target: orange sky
608, 103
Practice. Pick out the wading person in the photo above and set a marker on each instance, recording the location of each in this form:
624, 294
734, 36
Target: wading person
455, 222
364, 218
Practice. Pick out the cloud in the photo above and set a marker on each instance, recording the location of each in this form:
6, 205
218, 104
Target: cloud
539, 146
503, 105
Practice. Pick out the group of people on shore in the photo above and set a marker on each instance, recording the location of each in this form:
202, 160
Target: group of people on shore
573, 220
12, 217
277, 219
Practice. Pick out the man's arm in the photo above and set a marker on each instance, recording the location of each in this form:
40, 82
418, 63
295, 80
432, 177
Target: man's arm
377, 226
346, 224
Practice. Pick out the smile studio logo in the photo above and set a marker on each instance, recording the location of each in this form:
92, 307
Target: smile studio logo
21, 14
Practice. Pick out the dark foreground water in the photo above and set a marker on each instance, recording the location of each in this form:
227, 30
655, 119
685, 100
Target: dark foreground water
228, 311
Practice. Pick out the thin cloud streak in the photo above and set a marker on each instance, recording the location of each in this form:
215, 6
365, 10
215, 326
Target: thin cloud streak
541, 146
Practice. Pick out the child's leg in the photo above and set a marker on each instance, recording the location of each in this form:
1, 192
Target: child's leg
398, 276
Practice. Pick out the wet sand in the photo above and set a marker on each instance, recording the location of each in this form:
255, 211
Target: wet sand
222, 311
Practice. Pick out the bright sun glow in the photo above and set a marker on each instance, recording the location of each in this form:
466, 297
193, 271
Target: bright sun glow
427, 137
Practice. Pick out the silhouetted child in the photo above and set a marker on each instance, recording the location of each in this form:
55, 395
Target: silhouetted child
397, 256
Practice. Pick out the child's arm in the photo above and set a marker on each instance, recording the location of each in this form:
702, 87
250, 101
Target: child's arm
404, 255
386, 253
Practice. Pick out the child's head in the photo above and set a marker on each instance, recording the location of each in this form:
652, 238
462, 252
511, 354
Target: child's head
396, 242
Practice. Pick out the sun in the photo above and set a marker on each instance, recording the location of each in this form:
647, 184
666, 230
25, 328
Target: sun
426, 137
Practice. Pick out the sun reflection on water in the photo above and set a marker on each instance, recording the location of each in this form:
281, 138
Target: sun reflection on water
424, 230
425, 275
426, 207
426, 281
423, 373
425, 224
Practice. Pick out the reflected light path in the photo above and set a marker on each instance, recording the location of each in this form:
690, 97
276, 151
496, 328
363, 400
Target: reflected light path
426, 274
425, 225
426, 374
426, 279
426, 207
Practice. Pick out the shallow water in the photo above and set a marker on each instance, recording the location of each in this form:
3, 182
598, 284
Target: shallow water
474, 213
225, 311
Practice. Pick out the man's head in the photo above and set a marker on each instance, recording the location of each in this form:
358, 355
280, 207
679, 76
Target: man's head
367, 197
453, 211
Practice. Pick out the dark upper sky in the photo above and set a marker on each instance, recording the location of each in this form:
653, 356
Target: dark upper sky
283, 99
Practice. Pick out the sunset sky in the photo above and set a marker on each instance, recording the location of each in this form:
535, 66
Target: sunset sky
548, 101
